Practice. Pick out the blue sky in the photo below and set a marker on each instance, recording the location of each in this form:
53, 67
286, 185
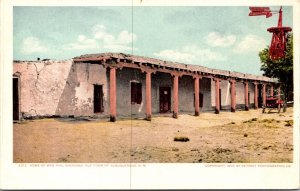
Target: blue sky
216, 37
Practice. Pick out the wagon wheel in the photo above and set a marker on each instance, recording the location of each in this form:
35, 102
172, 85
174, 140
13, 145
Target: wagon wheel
263, 110
279, 108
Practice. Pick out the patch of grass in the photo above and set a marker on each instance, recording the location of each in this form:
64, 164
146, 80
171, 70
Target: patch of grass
222, 150
289, 123
271, 126
267, 120
254, 119
181, 139
267, 147
250, 120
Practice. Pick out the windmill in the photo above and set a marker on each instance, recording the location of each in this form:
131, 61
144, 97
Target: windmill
279, 38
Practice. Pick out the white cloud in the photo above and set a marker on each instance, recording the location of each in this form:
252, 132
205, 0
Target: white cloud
215, 39
117, 47
99, 31
174, 55
33, 45
204, 54
82, 43
126, 38
191, 54
104, 40
250, 43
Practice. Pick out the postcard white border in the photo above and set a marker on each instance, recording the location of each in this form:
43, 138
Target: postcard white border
179, 176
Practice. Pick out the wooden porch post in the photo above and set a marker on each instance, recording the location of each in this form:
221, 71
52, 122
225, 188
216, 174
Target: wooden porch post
175, 96
264, 95
246, 96
255, 95
148, 96
233, 96
197, 91
112, 94
217, 95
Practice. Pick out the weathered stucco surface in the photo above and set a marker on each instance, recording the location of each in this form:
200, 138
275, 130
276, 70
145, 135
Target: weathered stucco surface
65, 88
205, 89
59, 88
78, 95
186, 94
226, 94
124, 79
41, 86
161, 80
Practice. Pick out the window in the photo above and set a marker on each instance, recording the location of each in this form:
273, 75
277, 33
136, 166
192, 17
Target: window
136, 93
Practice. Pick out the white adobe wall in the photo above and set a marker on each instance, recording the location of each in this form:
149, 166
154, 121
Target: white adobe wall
51, 88
78, 95
41, 85
240, 95
226, 94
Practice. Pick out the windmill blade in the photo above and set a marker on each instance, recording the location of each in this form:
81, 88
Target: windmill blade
258, 11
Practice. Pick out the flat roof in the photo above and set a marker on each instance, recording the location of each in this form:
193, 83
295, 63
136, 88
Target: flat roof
169, 64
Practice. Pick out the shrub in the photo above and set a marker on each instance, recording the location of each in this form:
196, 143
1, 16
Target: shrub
181, 139
254, 119
289, 123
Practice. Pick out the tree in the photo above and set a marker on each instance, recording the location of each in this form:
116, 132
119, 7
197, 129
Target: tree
282, 69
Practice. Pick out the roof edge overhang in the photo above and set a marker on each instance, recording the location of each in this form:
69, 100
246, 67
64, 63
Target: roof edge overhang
128, 58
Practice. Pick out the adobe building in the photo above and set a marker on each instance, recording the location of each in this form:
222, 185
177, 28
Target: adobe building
116, 85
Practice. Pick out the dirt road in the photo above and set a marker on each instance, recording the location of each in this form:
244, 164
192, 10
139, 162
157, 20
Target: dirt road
244, 136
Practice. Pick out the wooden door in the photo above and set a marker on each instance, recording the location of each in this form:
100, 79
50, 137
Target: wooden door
220, 98
98, 99
260, 98
16, 109
164, 99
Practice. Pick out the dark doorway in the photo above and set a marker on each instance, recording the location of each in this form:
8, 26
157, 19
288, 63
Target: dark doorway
136, 93
260, 98
98, 99
200, 100
164, 99
16, 104
249, 99
220, 98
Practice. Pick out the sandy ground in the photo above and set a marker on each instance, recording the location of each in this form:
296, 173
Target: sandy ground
244, 136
